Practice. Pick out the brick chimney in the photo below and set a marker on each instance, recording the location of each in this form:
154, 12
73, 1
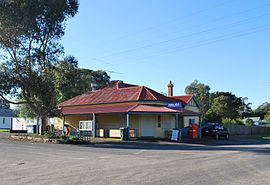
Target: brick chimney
115, 83
170, 89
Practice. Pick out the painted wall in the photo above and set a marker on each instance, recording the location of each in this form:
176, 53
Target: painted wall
5, 122
187, 118
73, 121
115, 121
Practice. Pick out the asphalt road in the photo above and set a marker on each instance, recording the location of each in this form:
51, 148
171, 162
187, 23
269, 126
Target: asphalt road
232, 163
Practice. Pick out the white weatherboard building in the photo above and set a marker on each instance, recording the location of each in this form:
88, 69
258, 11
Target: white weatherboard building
6, 116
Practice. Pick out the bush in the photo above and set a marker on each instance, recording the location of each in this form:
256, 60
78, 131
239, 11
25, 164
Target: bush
63, 137
249, 122
50, 135
236, 121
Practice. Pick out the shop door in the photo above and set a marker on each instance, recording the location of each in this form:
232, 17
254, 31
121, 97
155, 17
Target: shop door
148, 126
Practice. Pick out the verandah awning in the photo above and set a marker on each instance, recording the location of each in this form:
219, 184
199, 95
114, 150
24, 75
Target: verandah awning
130, 108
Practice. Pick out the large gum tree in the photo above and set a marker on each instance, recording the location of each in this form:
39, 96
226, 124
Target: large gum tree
30, 31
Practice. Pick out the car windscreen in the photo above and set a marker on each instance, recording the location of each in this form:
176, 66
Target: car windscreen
219, 127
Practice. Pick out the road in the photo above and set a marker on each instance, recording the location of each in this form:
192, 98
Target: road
37, 163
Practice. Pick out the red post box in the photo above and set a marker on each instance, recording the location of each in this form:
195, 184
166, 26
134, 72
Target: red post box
193, 132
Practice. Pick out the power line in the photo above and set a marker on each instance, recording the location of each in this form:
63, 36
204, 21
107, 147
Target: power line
238, 23
218, 39
171, 21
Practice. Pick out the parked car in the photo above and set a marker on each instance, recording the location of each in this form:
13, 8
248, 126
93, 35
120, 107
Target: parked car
215, 130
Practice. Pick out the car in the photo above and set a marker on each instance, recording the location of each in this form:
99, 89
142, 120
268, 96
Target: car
215, 130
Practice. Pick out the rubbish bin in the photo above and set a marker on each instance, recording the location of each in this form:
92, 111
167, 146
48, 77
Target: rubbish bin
124, 133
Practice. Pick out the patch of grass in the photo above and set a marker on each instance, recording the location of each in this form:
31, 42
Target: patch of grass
253, 136
4, 130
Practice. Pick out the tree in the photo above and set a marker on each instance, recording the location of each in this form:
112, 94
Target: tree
262, 109
227, 105
201, 93
29, 38
70, 81
4, 104
213, 117
249, 122
267, 118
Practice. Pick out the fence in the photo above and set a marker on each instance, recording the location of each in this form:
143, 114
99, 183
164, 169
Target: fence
247, 130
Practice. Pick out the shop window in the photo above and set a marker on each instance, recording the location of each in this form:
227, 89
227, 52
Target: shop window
159, 121
4, 120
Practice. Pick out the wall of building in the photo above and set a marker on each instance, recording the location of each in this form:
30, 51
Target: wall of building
5, 122
115, 121
73, 121
187, 118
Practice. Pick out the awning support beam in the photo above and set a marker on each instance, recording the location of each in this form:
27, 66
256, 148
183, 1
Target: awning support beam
128, 126
94, 125
176, 120
63, 125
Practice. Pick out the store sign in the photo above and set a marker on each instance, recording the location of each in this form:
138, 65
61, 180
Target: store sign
174, 105
175, 134
86, 125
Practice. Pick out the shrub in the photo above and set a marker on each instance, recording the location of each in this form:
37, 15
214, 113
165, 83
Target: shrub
236, 121
63, 137
249, 122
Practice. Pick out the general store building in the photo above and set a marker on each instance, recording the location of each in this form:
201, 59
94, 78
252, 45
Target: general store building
145, 112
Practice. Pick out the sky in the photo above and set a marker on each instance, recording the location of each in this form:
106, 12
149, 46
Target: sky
224, 44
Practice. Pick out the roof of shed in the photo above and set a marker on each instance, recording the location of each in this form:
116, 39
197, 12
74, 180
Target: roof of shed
7, 113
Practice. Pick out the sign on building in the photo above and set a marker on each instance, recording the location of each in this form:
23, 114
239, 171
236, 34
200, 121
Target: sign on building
86, 125
174, 105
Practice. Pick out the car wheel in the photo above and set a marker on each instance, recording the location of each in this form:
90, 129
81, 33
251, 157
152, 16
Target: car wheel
217, 136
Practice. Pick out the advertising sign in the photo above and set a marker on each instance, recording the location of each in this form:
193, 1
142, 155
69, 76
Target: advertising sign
175, 134
174, 105
86, 125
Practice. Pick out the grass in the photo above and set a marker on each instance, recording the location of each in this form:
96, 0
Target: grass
253, 136
4, 130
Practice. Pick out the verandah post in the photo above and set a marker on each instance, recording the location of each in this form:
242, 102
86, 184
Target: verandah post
94, 125
128, 127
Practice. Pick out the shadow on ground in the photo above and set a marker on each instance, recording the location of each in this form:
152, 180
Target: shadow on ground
257, 146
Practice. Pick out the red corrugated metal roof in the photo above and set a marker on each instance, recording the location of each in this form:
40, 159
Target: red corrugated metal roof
90, 109
117, 92
188, 112
184, 98
122, 108
149, 108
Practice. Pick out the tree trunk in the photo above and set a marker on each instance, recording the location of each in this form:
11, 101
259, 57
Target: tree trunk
44, 121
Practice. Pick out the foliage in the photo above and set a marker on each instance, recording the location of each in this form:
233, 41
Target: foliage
201, 93
75, 138
29, 35
249, 122
63, 137
227, 105
4, 104
70, 81
267, 118
262, 109
236, 121
213, 117
218, 105
51, 135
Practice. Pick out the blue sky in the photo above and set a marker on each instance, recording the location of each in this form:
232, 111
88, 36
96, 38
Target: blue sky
224, 43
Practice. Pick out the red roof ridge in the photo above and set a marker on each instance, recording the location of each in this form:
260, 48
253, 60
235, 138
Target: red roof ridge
150, 92
140, 92
133, 107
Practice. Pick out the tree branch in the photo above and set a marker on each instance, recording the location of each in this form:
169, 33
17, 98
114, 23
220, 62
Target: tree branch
11, 102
